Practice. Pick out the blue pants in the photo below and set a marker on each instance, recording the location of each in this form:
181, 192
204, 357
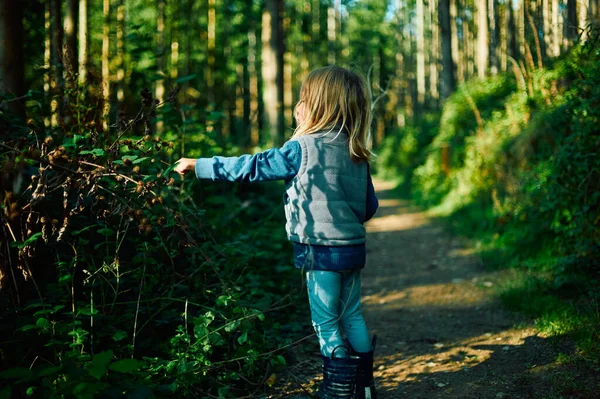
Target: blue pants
334, 298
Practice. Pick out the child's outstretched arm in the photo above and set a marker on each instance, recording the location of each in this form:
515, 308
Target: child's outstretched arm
273, 164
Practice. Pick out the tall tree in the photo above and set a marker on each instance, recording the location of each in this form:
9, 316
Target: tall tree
483, 53
571, 23
160, 56
105, 65
57, 62
511, 37
448, 83
12, 65
434, 53
556, 29
120, 52
494, 36
211, 43
70, 57
272, 69
83, 40
48, 80
420, 14
253, 86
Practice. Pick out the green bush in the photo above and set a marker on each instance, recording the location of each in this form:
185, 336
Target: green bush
124, 281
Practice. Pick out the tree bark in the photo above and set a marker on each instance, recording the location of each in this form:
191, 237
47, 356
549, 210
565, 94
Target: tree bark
494, 36
57, 87
83, 40
253, 87
556, 29
448, 82
272, 69
483, 54
12, 65
434, 54
160, 58
511, 38
571, 23
120, 53
70, 56
105, 69
420, 53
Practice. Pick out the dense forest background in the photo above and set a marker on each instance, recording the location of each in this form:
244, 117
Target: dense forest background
118, 278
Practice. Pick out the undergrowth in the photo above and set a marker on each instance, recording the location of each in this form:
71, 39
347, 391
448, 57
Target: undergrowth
120, 280
524, 183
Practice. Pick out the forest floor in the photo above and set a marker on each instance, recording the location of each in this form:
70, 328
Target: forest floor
441, 331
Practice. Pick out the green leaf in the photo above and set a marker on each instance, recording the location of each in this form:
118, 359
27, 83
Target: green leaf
278, 360
142, 159
243, 338
77, 138
125, 365
97, 367
43, 323
106, 232
96, 151
27, 242
15, 373
119, 335
45, 372
65, 279
187, 78
28, 327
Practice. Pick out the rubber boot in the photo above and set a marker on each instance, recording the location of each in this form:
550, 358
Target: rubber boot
365, 386
339, 376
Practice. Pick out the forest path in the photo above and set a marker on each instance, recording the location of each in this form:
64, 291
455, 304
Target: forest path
440, 331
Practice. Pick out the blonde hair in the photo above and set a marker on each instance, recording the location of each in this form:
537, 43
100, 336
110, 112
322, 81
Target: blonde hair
337, 97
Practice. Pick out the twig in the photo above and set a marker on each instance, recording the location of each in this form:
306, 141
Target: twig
137, 309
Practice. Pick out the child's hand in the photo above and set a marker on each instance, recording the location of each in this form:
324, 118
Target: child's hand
185, 165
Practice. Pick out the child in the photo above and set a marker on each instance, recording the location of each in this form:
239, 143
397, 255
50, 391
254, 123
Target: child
329, 195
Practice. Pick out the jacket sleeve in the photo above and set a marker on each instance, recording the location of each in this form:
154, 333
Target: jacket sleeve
372, 202
273, 164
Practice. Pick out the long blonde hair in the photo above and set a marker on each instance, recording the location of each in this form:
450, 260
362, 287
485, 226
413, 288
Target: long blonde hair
336, 97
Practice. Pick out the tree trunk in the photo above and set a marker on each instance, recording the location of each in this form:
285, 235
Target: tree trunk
120, 53
494, 36
160, 58
83, 40
434, 54
105, 70
593, 5
571, 23
70, 56
315, 30
583, 20
253, 87
448, 83
456, 49
420, 53
399, 78
556, 29
511, 38
483, 54
546, 21
12, 65
57, 63
48, 80
272, 69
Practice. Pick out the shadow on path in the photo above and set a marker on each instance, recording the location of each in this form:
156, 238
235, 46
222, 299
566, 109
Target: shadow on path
441, 333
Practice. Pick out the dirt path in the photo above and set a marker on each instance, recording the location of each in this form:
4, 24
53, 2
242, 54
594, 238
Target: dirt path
441, 333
